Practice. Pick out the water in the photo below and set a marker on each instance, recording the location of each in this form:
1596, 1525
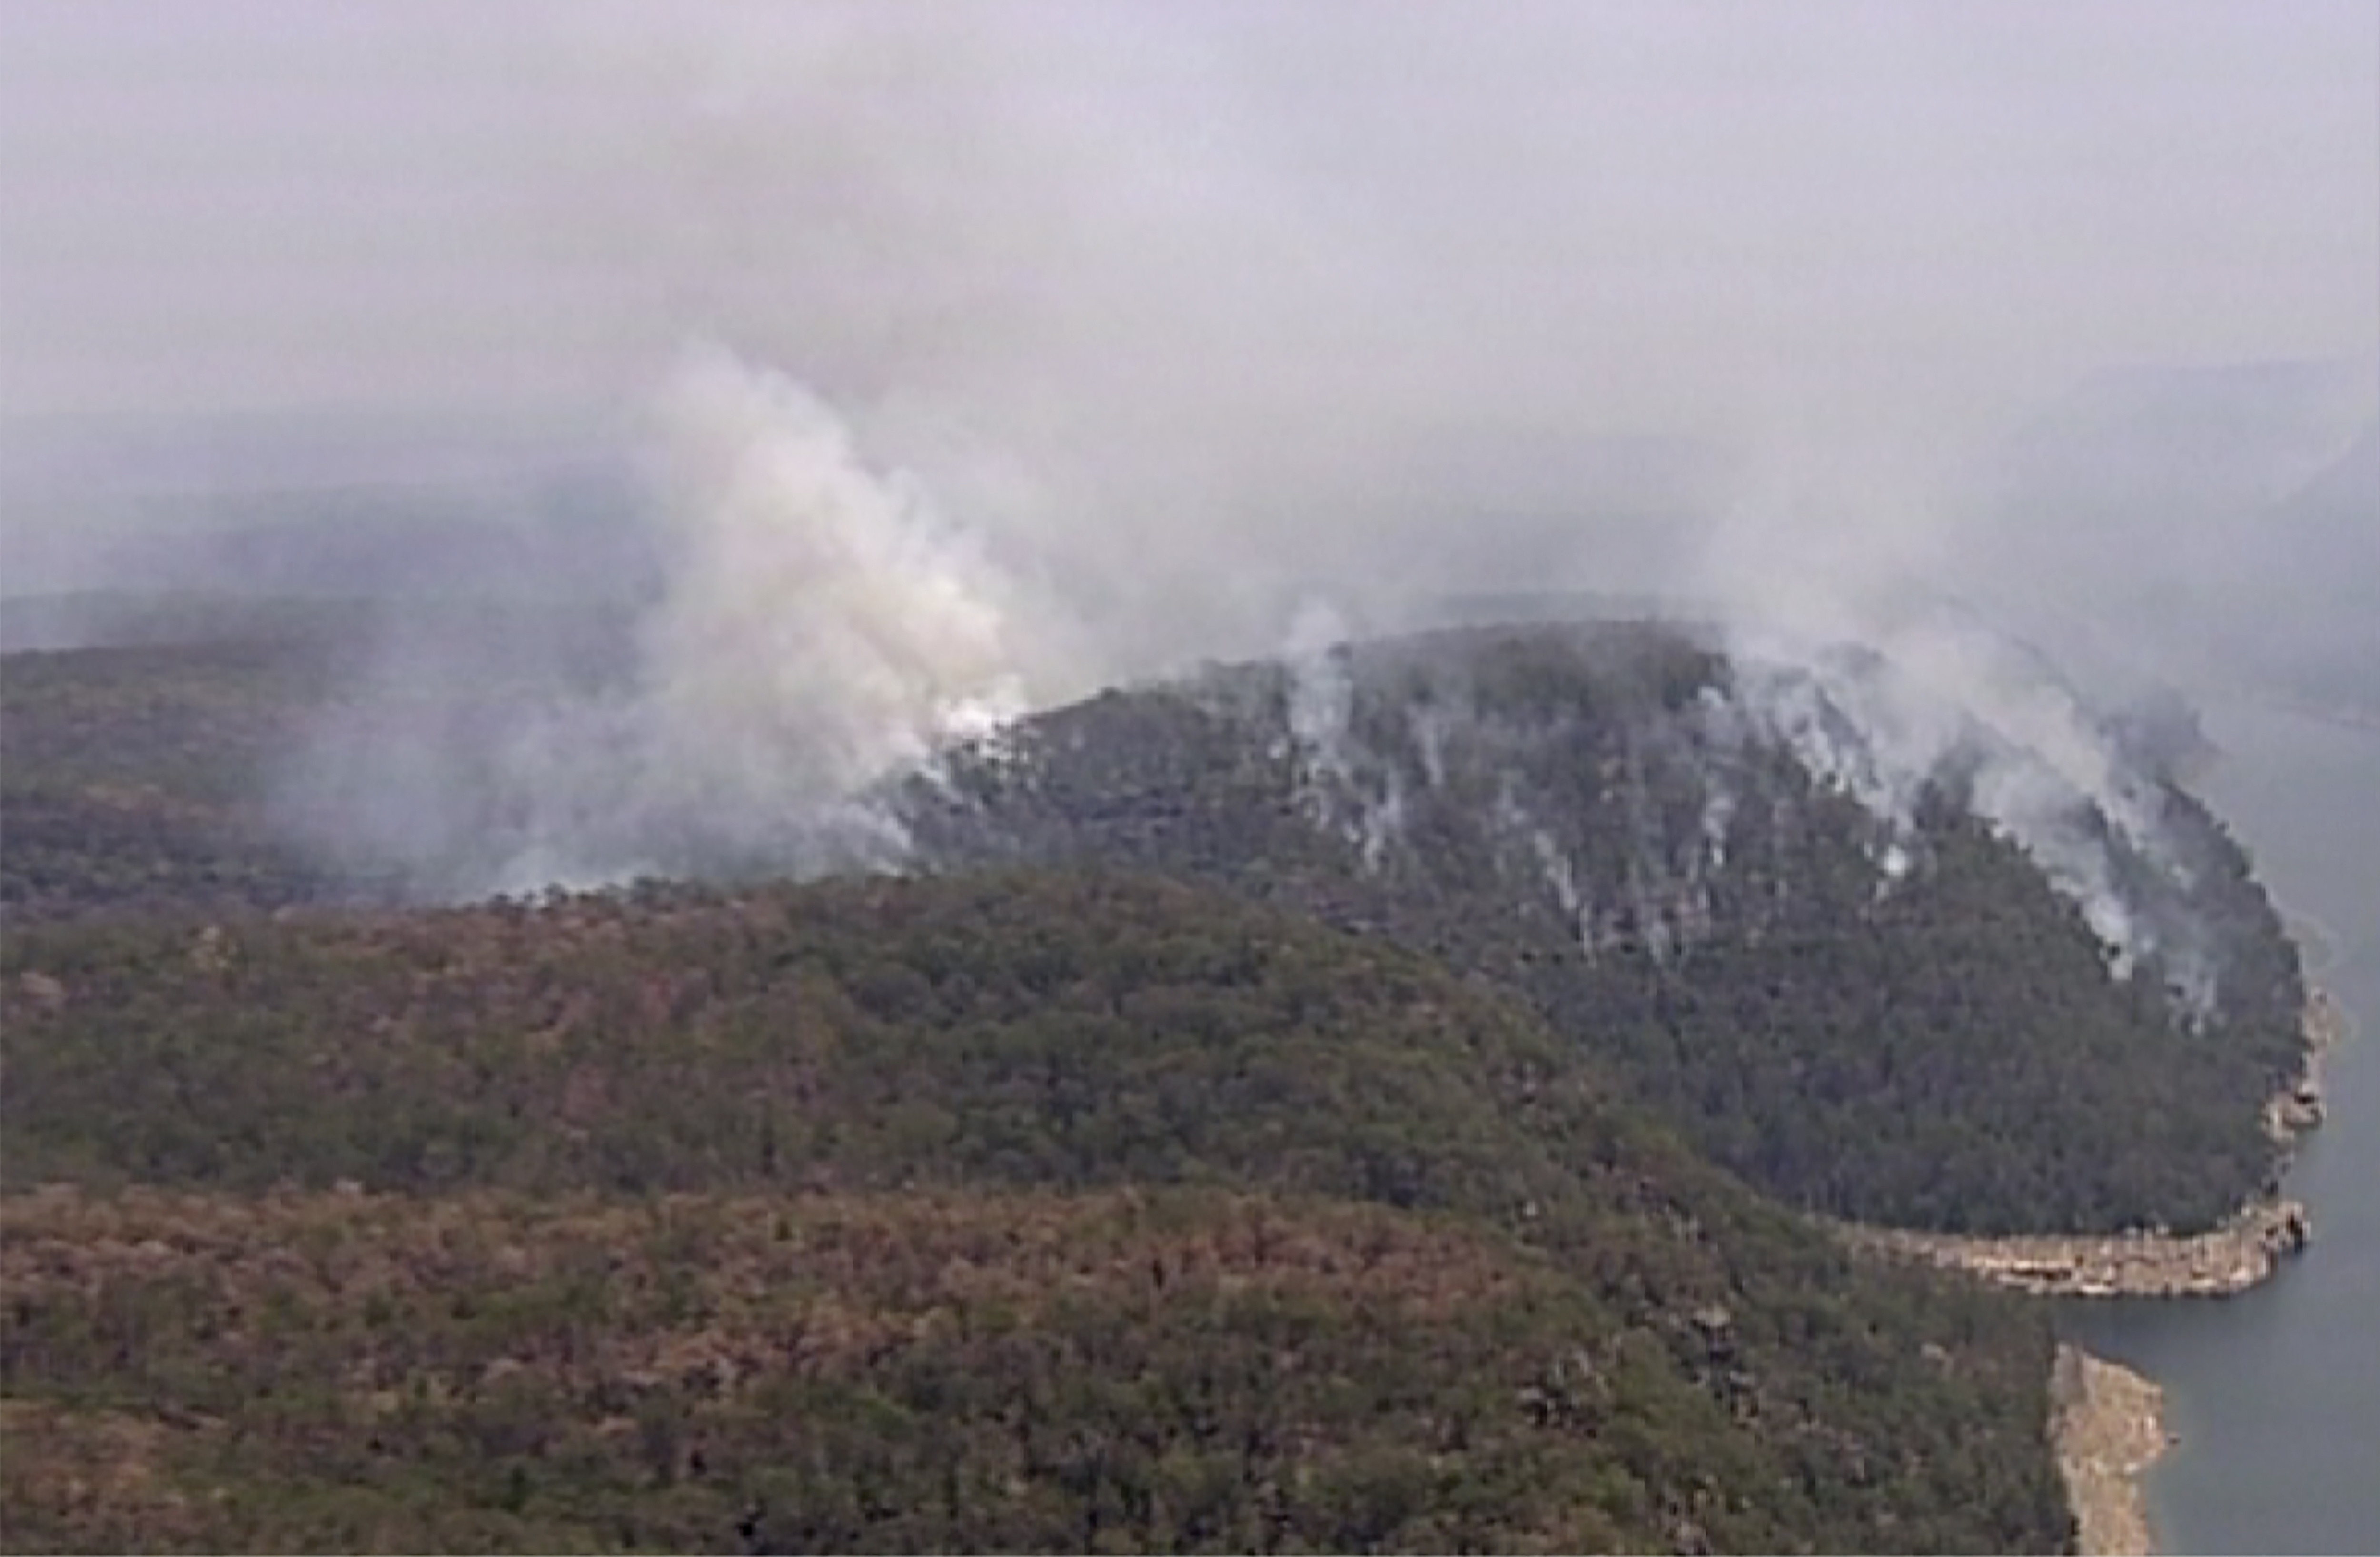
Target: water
2275, 1395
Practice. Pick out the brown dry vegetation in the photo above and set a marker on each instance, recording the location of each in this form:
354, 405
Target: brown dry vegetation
1121, 1370
1017, 1212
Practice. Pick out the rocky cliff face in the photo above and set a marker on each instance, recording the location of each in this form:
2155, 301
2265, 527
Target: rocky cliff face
2245, 1250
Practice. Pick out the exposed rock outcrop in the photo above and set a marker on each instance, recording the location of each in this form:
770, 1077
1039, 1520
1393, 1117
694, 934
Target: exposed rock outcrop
2108, 1424
2226, 1260
2298, 1107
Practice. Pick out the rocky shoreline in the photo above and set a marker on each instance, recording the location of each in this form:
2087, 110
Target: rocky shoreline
2245, 1250
2107, 1423
2297, 1108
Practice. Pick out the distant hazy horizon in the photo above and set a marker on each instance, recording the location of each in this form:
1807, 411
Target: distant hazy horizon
1147, 333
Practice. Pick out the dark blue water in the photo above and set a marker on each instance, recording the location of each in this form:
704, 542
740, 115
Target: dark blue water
2275, 1393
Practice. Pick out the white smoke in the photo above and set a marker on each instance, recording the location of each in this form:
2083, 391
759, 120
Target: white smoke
824, 625
1231, 335
1336, 774
1321, 689
1723, 733
821, 627
1929, 696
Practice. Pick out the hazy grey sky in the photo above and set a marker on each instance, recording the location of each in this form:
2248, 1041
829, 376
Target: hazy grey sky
1639, 216
1189, 319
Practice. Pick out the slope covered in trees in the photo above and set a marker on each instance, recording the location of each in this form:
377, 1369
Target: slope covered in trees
134, 776
1586, 816
1018, 1211
181, 762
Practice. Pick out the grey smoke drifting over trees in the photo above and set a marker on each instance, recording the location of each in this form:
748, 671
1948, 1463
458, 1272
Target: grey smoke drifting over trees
970, 358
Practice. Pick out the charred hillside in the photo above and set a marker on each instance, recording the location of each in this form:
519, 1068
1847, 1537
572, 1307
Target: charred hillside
1904, 1019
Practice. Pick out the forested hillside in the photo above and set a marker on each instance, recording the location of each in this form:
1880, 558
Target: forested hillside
162, 769
1917, 1030
139, 777
1022, 1211
1581, 815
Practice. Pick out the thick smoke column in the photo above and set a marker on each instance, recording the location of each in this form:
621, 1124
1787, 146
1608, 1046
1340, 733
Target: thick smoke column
1250, 309
824, 625
820, 626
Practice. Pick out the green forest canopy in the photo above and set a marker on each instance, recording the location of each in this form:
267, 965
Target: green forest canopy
1025, 1211
1951, 1054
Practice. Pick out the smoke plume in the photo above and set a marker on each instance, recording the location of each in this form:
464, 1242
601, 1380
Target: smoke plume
820, 626
1058, 345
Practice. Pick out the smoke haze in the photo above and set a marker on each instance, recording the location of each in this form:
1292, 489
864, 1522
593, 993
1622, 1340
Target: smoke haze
970, 358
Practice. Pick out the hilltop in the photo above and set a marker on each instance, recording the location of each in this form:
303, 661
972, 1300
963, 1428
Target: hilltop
1915, 1026
1905, 1021
1340, 1174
